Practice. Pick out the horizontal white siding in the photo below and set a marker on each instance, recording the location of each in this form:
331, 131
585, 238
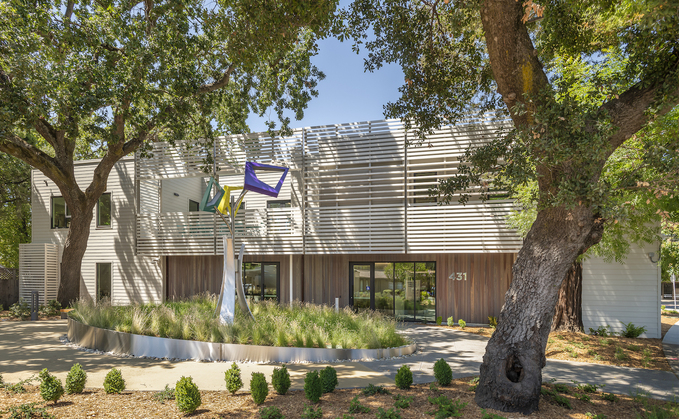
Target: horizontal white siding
134, 278
176, 193
614, 293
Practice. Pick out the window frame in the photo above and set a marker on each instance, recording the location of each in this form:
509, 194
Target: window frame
191, 201
67, 214
373, 282
110, 215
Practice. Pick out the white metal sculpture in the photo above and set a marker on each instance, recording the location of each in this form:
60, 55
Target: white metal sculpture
227, 208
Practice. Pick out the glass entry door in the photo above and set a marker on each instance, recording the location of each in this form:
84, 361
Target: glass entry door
405, 290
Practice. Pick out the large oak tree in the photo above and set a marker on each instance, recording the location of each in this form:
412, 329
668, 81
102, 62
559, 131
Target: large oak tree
116, 74
473, 56
642, 178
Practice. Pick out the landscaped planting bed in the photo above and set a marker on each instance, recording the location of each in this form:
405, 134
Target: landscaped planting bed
302, 325
609, 350
220, 404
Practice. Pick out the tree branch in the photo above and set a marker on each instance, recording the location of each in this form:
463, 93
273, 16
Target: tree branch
516, 68
19, 148
69, 12
150, 21
627, 111
207, 88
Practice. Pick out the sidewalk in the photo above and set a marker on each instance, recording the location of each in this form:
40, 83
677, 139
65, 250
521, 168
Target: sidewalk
670, 344
464, 352
27, 347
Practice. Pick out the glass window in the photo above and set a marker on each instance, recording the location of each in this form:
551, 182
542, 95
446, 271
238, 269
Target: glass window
61, 216
425, 291
384, 288
261, 281
404, 286
104, 210
252, 280
362, 278
103, 280
279, 204
193, 206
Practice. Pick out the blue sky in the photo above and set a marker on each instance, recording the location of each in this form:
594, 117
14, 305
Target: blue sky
347, 94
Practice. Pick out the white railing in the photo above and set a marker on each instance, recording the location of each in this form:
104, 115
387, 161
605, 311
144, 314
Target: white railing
191, 233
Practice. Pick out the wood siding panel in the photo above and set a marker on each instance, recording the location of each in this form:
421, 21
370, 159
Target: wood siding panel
191, 275
480, 296
327, 276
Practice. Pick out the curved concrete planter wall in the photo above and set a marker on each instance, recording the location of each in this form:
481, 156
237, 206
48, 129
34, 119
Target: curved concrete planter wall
138, 345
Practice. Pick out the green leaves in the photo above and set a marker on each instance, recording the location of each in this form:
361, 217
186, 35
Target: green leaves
174, 69
592, 53
439, 47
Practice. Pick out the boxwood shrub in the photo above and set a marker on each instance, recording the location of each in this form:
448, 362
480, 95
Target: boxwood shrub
187, 395
280, 380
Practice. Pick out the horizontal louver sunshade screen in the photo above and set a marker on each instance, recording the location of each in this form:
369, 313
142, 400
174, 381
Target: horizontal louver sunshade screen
353, 188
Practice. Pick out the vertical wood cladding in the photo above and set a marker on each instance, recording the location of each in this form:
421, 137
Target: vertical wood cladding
191, 275
473, 299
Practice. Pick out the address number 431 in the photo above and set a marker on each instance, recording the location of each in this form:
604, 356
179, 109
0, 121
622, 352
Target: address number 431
459, 276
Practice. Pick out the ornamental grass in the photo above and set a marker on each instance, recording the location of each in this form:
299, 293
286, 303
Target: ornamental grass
299, 325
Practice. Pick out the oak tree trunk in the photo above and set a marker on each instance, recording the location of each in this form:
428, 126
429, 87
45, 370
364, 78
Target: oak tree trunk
72, 256
568, 313
511, 373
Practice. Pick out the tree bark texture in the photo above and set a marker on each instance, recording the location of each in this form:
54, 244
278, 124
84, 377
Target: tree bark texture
511, 373
72, 256
568, 312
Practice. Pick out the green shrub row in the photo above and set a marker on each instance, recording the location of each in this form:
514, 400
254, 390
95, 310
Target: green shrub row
51, 388
22, 309
442, 372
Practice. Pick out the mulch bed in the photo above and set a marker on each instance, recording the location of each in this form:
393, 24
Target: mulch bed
139, 404
612, 350
5, 316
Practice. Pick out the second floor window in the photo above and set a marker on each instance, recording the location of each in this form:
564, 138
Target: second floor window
104, 210
61, 216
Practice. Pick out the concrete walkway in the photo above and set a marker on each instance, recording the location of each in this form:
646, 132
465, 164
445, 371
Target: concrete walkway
464, 352
670, 344
27, 347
